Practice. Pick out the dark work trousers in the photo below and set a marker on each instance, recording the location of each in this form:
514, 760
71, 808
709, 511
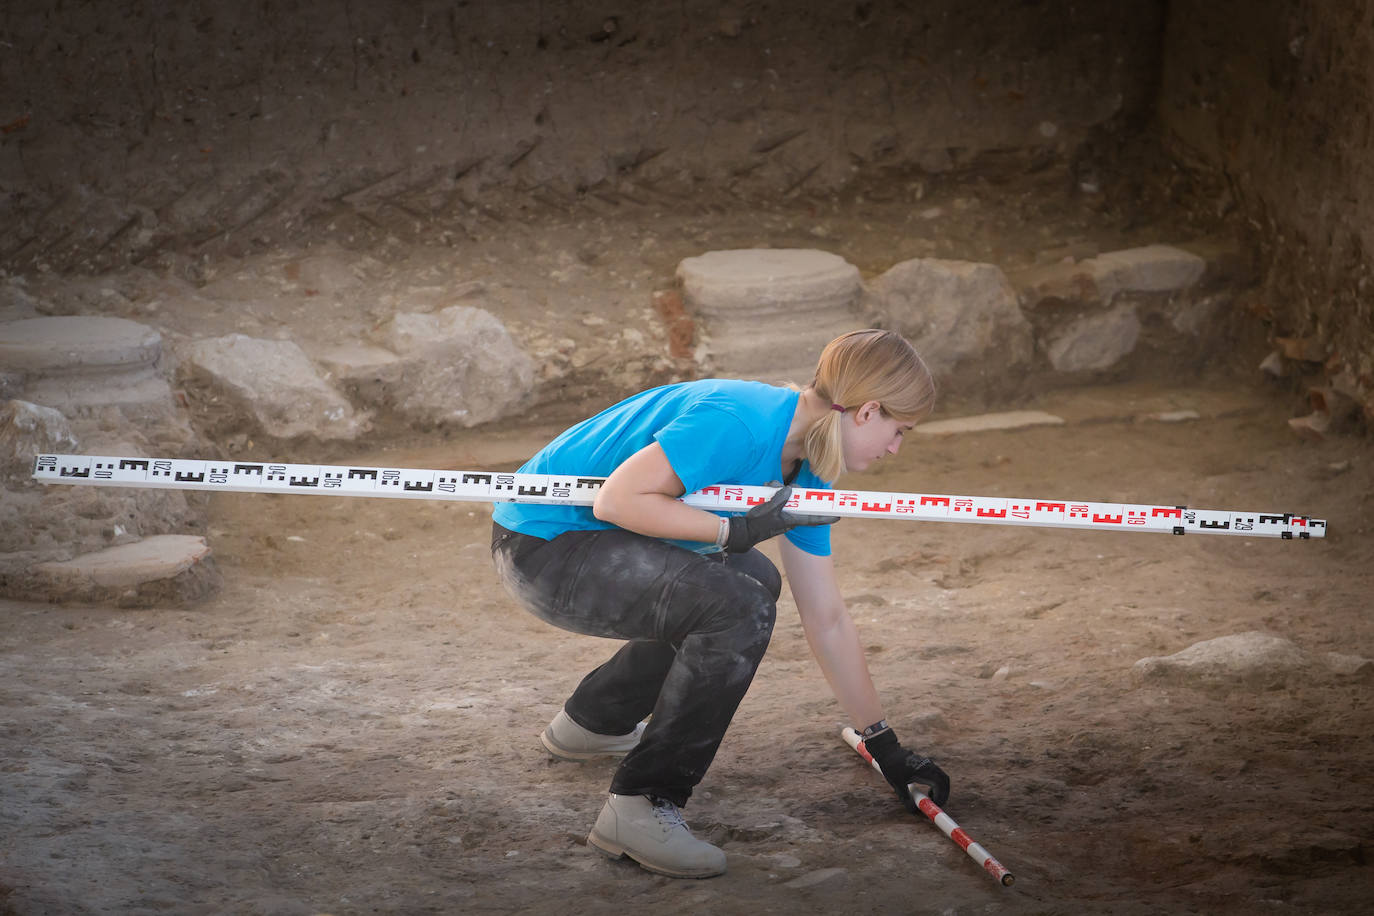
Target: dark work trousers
697, 627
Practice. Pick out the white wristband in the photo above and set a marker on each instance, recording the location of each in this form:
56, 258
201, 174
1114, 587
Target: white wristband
723, 532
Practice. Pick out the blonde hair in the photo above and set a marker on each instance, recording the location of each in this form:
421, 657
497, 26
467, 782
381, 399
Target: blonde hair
858, 367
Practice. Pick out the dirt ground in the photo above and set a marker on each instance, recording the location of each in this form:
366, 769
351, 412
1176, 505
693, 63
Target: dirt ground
350, 726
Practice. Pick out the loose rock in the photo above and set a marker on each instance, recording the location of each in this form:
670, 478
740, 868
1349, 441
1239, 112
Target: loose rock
459, 366
1349, 665
1273, 365
275, 385
956, 313
1253, 658
1173, 416
1095, 342
27, 430
819, 876
1313, 426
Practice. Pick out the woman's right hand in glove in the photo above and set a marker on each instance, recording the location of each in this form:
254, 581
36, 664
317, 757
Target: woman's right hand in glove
768, 520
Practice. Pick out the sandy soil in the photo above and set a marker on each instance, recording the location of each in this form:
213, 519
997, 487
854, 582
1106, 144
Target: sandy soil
350, 726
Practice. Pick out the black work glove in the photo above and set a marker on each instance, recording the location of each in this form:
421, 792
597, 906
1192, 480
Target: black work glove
767, 520
901, 767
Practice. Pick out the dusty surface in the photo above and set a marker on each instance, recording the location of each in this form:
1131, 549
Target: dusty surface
350, 725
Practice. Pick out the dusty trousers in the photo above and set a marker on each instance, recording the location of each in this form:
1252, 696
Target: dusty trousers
697, 627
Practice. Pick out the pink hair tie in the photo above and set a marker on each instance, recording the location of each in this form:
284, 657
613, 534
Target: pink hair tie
837, 407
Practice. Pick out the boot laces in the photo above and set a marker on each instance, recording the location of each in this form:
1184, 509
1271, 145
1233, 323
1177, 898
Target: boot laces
667, 813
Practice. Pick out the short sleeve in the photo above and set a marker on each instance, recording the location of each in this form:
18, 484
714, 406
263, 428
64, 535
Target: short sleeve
706, 445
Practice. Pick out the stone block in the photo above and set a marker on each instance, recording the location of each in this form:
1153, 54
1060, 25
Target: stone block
70, 343
459, 366
1253, 658
955, 313
275, 385
1147, 269
1096, 341
1097, 281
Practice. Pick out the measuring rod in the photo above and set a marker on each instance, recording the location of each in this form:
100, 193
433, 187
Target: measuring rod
569, 490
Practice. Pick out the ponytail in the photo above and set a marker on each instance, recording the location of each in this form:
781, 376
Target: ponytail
824, 447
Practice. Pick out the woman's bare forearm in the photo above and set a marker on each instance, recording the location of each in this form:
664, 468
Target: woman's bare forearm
641, 496
658, 515
840, 655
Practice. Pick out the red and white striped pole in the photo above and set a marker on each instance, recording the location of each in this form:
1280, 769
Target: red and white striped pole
942, 820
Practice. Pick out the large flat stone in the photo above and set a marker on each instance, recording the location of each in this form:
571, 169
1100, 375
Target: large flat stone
758, 281
1251, 658
352, 362
159, 557
165, 568
76, 362
141, 389
1147, 269
67, 343
1012, 419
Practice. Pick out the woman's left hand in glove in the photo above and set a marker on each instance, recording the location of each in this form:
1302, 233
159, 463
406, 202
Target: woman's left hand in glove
902, 767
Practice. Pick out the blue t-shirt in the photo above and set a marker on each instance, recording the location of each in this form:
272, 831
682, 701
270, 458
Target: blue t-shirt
714, 431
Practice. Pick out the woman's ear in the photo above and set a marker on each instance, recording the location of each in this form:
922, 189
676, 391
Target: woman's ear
870, 410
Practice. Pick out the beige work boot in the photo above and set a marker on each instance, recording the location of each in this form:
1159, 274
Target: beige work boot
652, 832
566, 739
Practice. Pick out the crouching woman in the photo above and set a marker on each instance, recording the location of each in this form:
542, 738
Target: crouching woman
688, 590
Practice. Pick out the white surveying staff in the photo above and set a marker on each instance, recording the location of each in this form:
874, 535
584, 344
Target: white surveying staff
229, 476
938, 816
